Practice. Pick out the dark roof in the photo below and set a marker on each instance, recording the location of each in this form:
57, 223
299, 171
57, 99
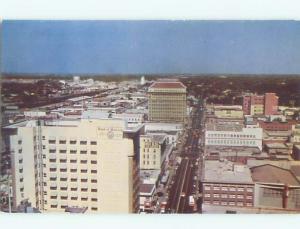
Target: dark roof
146, 188
167, 85
273, 174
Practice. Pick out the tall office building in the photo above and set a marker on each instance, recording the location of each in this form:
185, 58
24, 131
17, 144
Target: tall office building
266, 104
167, 101
91, 164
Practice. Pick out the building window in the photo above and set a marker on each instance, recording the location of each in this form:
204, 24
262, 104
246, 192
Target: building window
94, 199
240, 196
20, 150
216, 195
84, 189
93, 143
62, 141
207, 195
74, 198
63, 151
231, 203
53, 206
249, 204
240, 189
84, 198
63, 206
52, 151
94, 152
93, 171
73, 170
63, 179
83, 161
73, 161
64, 197
94, 190
249, 197
232, 196
83, 170
20, 142
53, 197
83, 152
52, 169
73, 142
73, 151
216, 188
249, 189
83, 142
207, 188
63, 188
52, 141
84, 180
232, 189
63, 170
74, 189
216, 202
94, 181
63, 160
93, 162
53, 188
224, 189
52, 178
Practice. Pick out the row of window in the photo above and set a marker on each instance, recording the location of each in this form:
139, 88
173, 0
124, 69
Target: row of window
225, 196
54, 188
232, 135
72, 170
74, 161
73, 151
72, 142
153, 156
224, 188
223, 203
239, 142
148, 162
73, 179
73, 198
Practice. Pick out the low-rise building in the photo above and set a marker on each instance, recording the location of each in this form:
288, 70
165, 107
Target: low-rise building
275, 187
146, 197
226, 184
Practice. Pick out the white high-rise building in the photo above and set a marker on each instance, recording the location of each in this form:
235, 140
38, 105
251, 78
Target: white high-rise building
76, 79
86, 163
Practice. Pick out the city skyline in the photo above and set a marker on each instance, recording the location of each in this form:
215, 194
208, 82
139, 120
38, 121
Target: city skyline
151, 47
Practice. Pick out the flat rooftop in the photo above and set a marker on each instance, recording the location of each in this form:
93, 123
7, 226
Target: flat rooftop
175, 84
226, 172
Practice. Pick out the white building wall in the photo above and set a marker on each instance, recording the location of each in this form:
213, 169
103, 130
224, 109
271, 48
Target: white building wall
248, 137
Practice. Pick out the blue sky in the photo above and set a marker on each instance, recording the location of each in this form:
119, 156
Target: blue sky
144, 47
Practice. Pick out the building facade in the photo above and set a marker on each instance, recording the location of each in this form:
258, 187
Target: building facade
266, 104
247, 137
83, 163
152, 148
227, 184
167, 102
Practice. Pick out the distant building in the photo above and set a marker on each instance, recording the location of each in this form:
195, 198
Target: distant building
266, 104
228, 111
143, 80
88, 163
76, 79
167, 101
